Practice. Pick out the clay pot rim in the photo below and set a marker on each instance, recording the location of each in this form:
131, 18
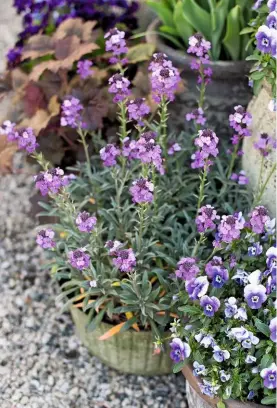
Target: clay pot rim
230, 403
234, 68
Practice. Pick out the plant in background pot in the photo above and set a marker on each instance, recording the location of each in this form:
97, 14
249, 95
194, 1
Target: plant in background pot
220, 22
126, 216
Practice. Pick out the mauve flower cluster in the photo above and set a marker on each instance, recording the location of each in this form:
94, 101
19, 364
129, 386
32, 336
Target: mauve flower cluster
265, 144
79, 259
207, 142
119, 85
71, 115
240, 121
115, 42
199, 47
85, 222
230, 227
165, 78
197, 115
206, 217
123, 259
258, 219
173, 147
187, 269
51, 181
25, 138
109, 154
137, 109
45, 238
142, 191
84, 68
149, 152
240, 178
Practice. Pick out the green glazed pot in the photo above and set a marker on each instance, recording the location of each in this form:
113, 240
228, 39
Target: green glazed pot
129, 352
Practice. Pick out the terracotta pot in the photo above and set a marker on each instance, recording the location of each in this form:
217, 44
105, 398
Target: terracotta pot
229, 86
129, 352
264, 121
196, 399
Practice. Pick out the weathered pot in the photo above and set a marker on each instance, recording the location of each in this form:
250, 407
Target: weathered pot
229, 86
129, 352
264, 121
196, 399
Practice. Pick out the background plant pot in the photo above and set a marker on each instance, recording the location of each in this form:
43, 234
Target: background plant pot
229, 87
130, 352
264, 121
196, 399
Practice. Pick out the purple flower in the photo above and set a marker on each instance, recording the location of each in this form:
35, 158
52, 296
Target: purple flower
173, 148
129, 149
216, 261
197, 115
240, 121
164, 78
45, 238
273, 329
205, 340
113, 246
205, 219
271, 4
230, 307
207, 141
230, 227
258, 218
271, 284
255, 249
265, 144
14, 57
257, 4
271, 20
220, 355
119, 85
27, 140
79, 259
239, 333
255, 295
71, 116
197, 287
219, 276
8, 129
208, 389
241, 314
116, 44
137, 109
199, 369
241, 277
210, 305
224, 377
250, 359
150, 152
251, 395
142, 191
265, 39
179, 350
85, 222
240, 178
51, 181
269, 376
125, 260
249, 341
83, 68
199, 46
109, 154
187, 269
271, 259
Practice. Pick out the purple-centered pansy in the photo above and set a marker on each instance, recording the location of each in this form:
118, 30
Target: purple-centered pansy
187, 269
179, 350
230, 307
79, 259
250, 359
215, 261
210, 305
197, 287
45, 238
241, 277
85, 222
272, 5
255, 249
208, 389
255, 295
239, 333
265, 39
271, 259
251, 340
199, 369
224, 377
219, 276
273, 329
220, 355
269, 376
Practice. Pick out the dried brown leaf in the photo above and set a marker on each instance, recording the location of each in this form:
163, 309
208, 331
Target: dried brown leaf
38, 122
7, 151
38, 46
77, 27
33, 99
19, 79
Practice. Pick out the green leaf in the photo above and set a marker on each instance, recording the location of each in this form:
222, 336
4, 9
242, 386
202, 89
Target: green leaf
96, 321
129, 323
257, 75
254, 382
218, 18
247, 30
174, 40
198, 18
169, 30
267, 360
179, 366
163, 12
140, 52
262, 327
269, 400
185, 30
220, 404
232, 39
189, 309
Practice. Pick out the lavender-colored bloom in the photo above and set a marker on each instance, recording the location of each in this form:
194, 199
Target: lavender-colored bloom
116, 44
230, 227
150, 152
271, 20
84, 68
240, 178
239, 333
207, 141
8, 129
197, 287
113, 246
255, 250
230, 307
250, 359
257, 4
79, 259
14, 57
109, 154
272, 5
137, 109
210, 305
220, 355
85, 222
241, 277
142, 191
207, 341
125, 260
265, 39
208, 389
45, 238
219, 276
199, 46
271, 260
173, 148
71, 116
129, 149
205, 219
27, 140
164, 79
247, 343
159, 59
51, 181
271, 284
265, 144
119, 85
255, 295
269, 376
255, 277
199, 369
241, 314
240, 121
197, 115
187, 269
179, 350
251, 395
258, 218
216, 261
273, 329
224, 377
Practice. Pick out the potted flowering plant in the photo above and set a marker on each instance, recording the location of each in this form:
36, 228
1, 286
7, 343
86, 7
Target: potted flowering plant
126, 215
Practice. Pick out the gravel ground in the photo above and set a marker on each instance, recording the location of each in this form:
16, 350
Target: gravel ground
42, 363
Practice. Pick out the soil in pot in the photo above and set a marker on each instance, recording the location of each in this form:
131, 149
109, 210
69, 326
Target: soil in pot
229, 87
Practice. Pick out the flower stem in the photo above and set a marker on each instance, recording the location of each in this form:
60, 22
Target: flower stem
232, 162
84, 143
123, 122
198, 243
202, 188
141, 214
260, 195
163, 125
